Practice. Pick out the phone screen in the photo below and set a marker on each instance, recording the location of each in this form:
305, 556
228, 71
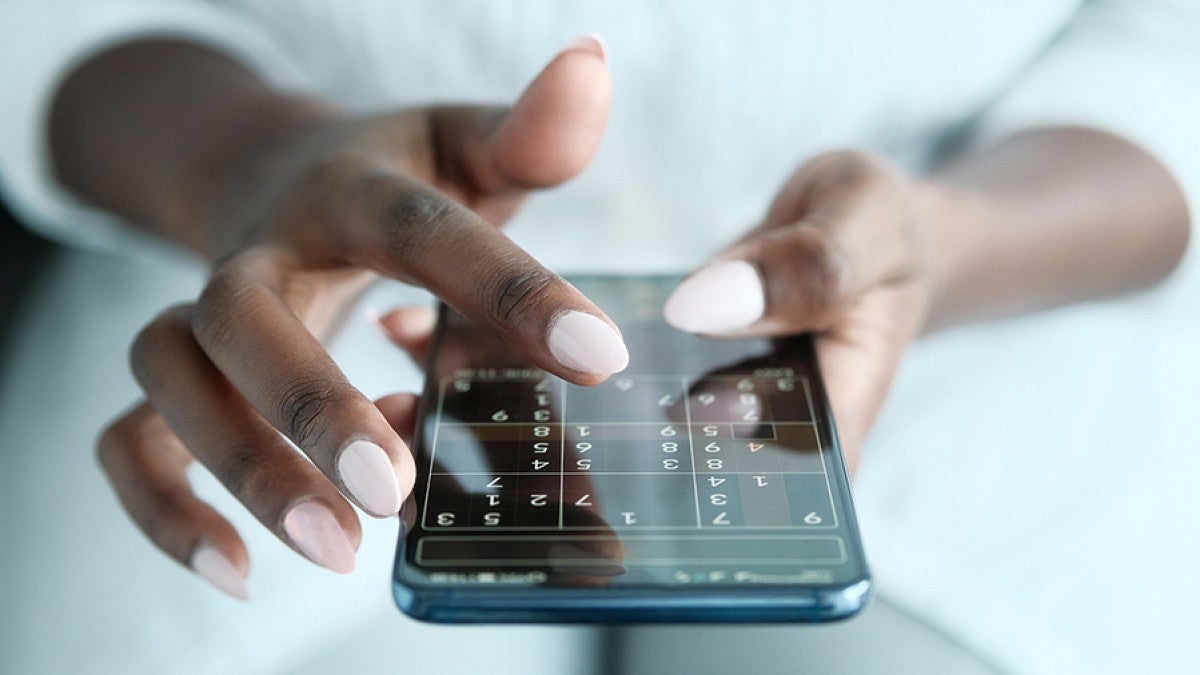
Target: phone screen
702, 483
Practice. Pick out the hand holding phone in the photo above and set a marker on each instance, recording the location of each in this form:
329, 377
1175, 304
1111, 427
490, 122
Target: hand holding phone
704, 483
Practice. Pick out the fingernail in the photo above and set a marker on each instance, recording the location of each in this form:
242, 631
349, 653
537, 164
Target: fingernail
723, 297
591, 42
368, 474
372, 317
586, 343
211, 564
316, 532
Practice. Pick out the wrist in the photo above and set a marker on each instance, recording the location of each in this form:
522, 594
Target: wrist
155, 130
951, 219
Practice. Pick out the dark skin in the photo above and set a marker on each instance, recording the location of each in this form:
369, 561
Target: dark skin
300, 206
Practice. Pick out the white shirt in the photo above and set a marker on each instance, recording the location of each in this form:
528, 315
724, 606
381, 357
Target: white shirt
1027, 486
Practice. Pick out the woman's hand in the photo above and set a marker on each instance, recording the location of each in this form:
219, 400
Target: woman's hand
867, 258
299, 226
843, 253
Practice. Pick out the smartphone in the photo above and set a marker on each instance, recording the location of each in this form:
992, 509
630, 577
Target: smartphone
702, 484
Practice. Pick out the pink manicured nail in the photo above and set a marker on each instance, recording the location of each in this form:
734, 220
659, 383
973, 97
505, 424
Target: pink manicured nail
723, 297
368, 474
211, 564
589, 43
586, 343
372, 317
316, 532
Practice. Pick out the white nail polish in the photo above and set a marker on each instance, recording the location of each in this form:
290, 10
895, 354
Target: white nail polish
586, 343
723, 297
211, 564
318, 535
372, 317
369, 476
591, 42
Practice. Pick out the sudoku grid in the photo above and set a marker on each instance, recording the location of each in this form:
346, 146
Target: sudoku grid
517, 449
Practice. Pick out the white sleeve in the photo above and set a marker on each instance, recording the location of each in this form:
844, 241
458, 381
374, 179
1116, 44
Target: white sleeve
1128, 67
46, 40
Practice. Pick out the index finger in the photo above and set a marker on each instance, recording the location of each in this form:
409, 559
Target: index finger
406, 229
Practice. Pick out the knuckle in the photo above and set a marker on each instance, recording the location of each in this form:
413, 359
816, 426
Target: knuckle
151, 505
148, 352
170, 520
112, 445
825, 277
124, 443
244, 470
516, 292
830, 272
357, 179
332, 179
326, 172
159, 523
415, 218
303, 405
154, 524
227, 296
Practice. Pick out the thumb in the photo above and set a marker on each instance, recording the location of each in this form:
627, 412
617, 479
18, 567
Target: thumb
554, 129
859, 358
